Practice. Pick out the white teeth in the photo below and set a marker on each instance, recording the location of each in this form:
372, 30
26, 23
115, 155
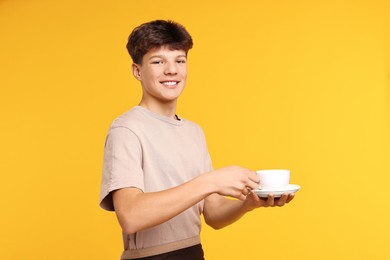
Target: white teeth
170, 83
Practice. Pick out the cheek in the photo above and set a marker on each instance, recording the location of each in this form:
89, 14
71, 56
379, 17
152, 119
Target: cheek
183, 72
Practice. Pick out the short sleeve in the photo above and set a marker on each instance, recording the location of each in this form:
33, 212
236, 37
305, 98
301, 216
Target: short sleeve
122, 164
208, 165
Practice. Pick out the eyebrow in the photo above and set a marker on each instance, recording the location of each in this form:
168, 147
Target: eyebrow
162, 56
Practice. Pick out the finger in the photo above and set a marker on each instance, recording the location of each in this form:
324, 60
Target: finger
241, 197
254, 201
282, 200
245, 191
271, 199
253, 176
290, 197
252, 183
254, 196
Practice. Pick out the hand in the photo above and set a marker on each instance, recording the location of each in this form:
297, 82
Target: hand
253, 201
235, 181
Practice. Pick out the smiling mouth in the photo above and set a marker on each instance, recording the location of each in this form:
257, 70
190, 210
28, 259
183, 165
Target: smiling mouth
170, 83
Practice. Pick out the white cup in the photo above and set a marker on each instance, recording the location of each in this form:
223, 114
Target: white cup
274, 179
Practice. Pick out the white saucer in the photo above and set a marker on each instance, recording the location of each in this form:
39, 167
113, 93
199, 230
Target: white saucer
291, 188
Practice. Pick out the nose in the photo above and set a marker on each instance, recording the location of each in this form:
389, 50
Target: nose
170, 68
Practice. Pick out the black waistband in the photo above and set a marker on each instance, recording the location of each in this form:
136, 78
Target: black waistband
188, 253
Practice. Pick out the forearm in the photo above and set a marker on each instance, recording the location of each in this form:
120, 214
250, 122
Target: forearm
221, 211
138, 210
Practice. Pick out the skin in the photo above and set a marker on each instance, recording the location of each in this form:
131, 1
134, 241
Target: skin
159, 67
163, 75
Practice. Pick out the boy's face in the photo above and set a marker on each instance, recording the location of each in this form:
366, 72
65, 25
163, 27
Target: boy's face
163, 74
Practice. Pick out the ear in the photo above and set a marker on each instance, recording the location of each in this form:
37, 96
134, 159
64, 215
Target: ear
136, 71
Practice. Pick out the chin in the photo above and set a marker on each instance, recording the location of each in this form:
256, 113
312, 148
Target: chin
169, 99
172, 96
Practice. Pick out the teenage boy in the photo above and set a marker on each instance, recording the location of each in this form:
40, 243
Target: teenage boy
157, 173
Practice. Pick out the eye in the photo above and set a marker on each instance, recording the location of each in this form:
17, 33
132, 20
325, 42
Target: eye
157, 62
181, 61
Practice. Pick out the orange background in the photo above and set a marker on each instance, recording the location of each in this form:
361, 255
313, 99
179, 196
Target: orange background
299, 84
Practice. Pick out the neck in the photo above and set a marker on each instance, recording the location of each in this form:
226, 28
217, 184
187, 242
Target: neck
167, 109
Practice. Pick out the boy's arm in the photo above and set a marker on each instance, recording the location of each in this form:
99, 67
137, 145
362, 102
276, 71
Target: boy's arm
220, 211
137, 210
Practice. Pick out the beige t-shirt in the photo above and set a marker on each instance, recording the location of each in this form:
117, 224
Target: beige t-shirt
153, 152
